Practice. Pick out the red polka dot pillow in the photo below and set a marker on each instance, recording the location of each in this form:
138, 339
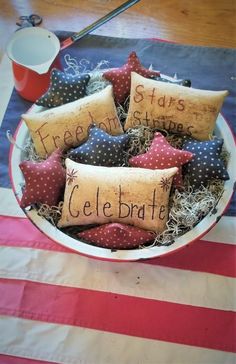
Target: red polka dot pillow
99, 195
116, 236
121, 77
162, 155
175, 108
44, 181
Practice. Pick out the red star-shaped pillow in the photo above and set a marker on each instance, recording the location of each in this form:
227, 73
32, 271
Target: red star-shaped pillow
161, 155
121, 77
116, 236
44, 181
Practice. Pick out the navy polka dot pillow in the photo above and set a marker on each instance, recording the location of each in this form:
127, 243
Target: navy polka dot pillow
63, 89
101, 149
206, 163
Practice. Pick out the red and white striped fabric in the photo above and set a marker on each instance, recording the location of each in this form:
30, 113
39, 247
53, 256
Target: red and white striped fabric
59, 307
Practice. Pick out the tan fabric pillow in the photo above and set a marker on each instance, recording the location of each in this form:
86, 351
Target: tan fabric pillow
135, 196
67, 125
172, 107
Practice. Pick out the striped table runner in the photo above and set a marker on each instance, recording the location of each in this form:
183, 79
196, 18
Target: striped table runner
59, 307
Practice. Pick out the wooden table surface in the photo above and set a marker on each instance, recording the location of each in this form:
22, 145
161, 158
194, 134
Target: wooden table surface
201, 22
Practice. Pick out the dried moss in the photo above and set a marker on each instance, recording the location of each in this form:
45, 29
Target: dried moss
51, 213
188, 208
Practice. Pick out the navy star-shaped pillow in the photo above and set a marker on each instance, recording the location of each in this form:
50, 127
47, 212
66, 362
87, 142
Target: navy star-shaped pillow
101, 149
206, 163
63, 88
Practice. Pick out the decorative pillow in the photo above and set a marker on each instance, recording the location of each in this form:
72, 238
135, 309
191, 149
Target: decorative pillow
98, 195
116, 236
64, 88
174, 108
44, 181
162, 155
67, 126
206, 163
101, 149
120, 77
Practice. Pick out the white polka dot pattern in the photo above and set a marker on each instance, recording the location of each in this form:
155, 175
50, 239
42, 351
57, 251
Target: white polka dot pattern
116, 236
63, 88
121, 77
162, 155
44, 181
206, 163
101, 149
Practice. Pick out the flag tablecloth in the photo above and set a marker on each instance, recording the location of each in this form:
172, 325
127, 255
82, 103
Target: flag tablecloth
57, 306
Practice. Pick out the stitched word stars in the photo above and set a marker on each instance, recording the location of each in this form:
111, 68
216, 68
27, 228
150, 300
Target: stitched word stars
44, 181
121, 77
161, 155
116, 236
63, 89
206, 163
101, 149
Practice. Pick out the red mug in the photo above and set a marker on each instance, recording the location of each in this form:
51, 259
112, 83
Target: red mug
34, 52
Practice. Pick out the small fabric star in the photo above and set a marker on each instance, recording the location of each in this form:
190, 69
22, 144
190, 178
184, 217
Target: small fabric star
44, 181
116, 236
121, 77
206, 163
63, 88
101, 149
161, 155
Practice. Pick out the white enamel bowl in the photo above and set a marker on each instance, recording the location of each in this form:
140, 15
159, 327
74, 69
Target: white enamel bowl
16, 156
